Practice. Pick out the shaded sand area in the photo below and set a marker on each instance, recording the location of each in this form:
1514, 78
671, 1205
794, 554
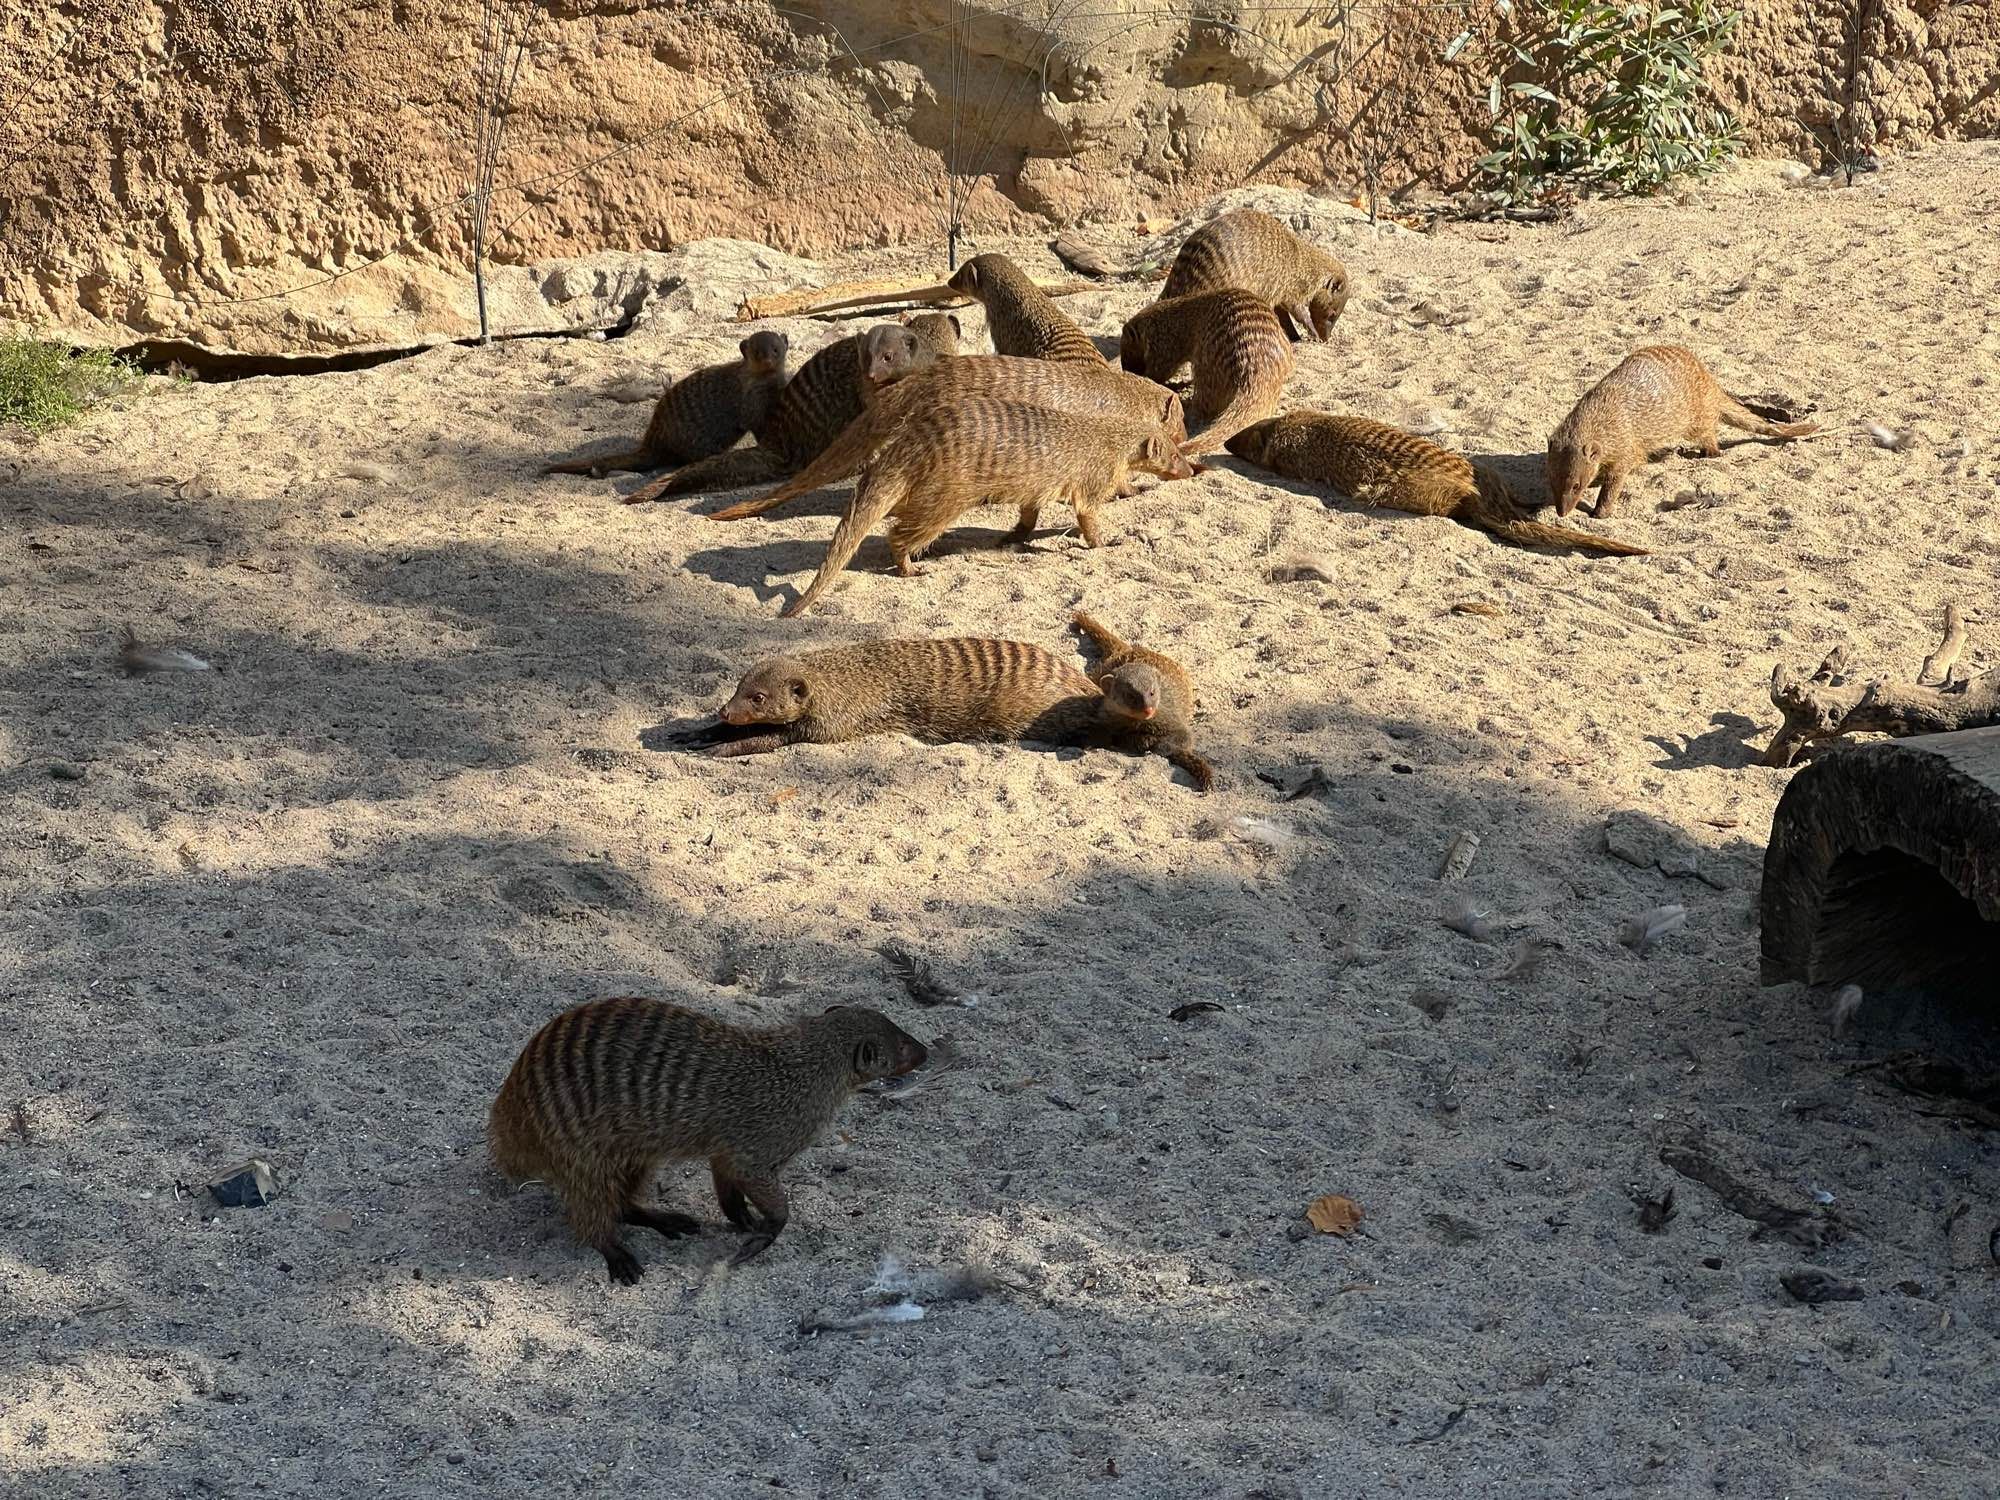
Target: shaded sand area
309, 906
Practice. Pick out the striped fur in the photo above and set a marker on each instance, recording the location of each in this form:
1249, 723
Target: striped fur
1021, 318
1659, 397
939, 691
703, 413
606, 1091
1241, 358
943, 461
1306, 287
1376, 464
1085, 390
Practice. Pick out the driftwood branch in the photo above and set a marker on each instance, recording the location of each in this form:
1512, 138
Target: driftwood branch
1828, 704
846, 294
1091, 260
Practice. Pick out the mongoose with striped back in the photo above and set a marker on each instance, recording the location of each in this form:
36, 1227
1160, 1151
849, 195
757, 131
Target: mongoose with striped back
1659, 397
1376, 464
1021, 318
939, 691
1241, 358
940, 463
702, 413
830, 390
1148, 700
1247, 248
607, 1091
1086, 390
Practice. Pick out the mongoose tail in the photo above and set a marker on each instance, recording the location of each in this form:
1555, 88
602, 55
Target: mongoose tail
722, 471
873, 499
1735, 414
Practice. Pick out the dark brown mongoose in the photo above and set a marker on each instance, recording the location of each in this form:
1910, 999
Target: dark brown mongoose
1373, 463
939, 691
1659, 397
1148, 700
1241, 358
607, 1091
702, 414
830, 390
942, 462
1306, 287
1021, 318
1086, 390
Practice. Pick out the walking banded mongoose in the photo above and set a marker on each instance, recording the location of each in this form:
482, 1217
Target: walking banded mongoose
1085, 390
1306, 287
939, 691
1021, 318
830, 390
703, 413
1373, 463
607, 1091
1241, 358
1148, 700
940, 463
1659, 397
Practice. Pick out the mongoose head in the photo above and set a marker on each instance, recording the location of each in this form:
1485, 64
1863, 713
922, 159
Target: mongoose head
772, 692
982, 273
1254, 441
1329, 302
1158, 453
765, 353
1134, 692
876, 1047
890, 351
1571, 469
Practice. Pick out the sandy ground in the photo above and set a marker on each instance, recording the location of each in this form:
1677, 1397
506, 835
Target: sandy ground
309, 906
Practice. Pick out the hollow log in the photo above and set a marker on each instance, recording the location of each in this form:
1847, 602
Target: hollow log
1883, 868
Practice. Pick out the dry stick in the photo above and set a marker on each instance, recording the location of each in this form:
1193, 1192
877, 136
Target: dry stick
1826, 706
1937, 666
843, 294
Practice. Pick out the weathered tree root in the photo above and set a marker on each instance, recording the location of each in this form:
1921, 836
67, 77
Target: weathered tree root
1828, 704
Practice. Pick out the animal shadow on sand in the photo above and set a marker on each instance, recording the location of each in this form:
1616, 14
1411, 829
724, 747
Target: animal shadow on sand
1727, 746
754, 566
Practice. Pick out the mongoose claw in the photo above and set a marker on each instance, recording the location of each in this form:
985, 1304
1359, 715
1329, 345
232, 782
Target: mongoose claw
623, 1265
753, 1247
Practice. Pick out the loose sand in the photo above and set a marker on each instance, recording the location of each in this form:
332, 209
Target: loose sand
309, 906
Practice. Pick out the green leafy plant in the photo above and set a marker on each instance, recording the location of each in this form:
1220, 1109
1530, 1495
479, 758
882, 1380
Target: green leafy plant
1609, 95
44, 385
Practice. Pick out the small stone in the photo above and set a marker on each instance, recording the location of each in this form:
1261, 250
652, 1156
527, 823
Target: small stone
1813, 1287
66, 770
337, 1220
455, 1457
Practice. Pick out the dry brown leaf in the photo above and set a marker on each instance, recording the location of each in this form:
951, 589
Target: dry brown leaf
778, 798
1333, 1214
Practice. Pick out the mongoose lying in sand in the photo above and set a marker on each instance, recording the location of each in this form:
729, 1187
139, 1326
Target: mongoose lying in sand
1148, 700
940, 463
1021, 318
1306, 287
1086, 390
967, 688
1375, 464
703, 413
830, 390
1660, 397
607, 1091
1241, 358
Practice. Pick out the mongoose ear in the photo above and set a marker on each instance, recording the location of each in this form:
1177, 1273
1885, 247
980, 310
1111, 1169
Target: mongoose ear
957, 328
744, 348
797, 688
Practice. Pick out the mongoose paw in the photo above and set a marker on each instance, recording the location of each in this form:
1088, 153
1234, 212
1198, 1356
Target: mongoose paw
623, 1265
753, 1247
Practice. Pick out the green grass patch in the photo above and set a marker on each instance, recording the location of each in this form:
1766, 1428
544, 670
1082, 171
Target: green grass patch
45, 385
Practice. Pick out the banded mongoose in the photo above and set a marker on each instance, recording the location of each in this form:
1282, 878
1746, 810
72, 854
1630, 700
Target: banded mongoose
607, 1091
1086, 390
1247, 248
939, 691
703, 413
1148, 700
1021, 318
1659, 397
1241, 358
978, 450
1375, 464
830, 390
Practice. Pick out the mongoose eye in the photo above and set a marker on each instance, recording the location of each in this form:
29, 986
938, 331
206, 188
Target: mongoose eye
864, 1057
757, 698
